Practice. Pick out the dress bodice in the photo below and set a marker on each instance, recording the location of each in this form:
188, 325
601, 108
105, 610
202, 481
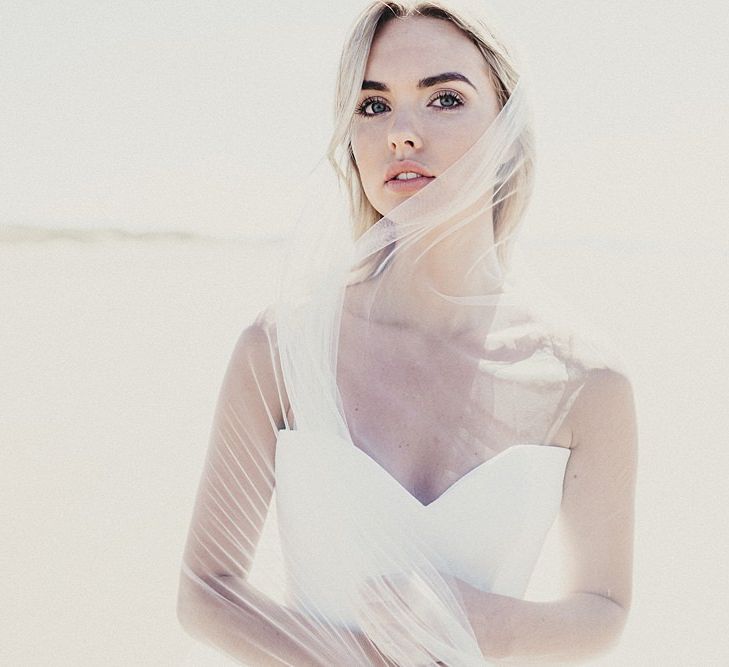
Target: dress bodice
342, 517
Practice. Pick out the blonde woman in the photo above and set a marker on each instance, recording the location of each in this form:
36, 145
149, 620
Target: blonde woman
422, 410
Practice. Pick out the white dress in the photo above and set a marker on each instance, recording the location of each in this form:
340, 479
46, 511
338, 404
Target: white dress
335, 504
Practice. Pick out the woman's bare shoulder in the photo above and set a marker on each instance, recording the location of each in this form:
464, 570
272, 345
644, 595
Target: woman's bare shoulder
256, 345
605, 408
254, 369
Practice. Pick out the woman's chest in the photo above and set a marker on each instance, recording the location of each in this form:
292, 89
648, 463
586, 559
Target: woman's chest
421, 408
429, 409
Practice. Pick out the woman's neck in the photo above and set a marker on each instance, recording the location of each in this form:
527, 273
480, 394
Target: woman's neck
461, 263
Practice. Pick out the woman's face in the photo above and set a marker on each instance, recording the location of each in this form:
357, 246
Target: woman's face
410, 118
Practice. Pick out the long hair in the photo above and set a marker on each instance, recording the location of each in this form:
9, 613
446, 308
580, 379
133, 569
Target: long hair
514, 193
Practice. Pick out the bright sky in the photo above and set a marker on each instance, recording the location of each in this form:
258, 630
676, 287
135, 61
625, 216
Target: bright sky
201, 116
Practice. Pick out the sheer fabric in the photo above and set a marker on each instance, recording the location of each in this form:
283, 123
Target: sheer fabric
401, 408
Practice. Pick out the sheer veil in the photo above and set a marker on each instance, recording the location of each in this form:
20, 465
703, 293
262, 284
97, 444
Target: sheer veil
403, 397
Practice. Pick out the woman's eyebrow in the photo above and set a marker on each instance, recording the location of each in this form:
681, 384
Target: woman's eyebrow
427, 82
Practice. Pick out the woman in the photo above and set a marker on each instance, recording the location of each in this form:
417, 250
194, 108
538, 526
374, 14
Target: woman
421, 412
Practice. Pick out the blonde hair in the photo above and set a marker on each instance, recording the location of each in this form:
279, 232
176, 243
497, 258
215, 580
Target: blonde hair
514, 194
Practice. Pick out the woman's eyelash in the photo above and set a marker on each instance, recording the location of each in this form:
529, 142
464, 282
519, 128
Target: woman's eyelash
370, 100
449, 93
438, 96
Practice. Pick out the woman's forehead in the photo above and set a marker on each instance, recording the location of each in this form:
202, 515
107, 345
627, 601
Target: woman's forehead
406, 50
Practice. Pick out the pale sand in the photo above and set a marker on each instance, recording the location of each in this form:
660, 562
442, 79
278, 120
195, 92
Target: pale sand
111, 357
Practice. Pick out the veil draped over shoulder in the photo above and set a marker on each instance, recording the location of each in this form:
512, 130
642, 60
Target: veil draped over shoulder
398, 412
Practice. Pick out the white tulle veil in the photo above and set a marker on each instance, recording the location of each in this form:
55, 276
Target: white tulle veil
370, 416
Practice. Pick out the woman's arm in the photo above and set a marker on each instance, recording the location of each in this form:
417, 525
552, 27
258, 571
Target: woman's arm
598, 515
249, 626
216, 603
515, 631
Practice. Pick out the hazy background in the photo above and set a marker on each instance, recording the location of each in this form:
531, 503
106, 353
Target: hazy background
147, 155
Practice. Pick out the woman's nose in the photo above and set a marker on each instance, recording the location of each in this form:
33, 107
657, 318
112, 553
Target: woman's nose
403, 133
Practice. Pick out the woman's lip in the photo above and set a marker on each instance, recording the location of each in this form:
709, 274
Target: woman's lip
408, 185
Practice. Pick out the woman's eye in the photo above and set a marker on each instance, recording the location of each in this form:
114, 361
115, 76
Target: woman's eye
374, 106
448, 100
378, 107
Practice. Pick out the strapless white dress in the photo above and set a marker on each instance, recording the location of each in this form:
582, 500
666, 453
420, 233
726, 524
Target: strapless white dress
335, 503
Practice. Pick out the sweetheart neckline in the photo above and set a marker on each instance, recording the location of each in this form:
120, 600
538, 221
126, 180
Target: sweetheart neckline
481, 466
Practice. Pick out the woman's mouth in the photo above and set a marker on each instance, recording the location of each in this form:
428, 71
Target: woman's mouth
408, 182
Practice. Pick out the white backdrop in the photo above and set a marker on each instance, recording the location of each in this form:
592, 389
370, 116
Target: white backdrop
191, 117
